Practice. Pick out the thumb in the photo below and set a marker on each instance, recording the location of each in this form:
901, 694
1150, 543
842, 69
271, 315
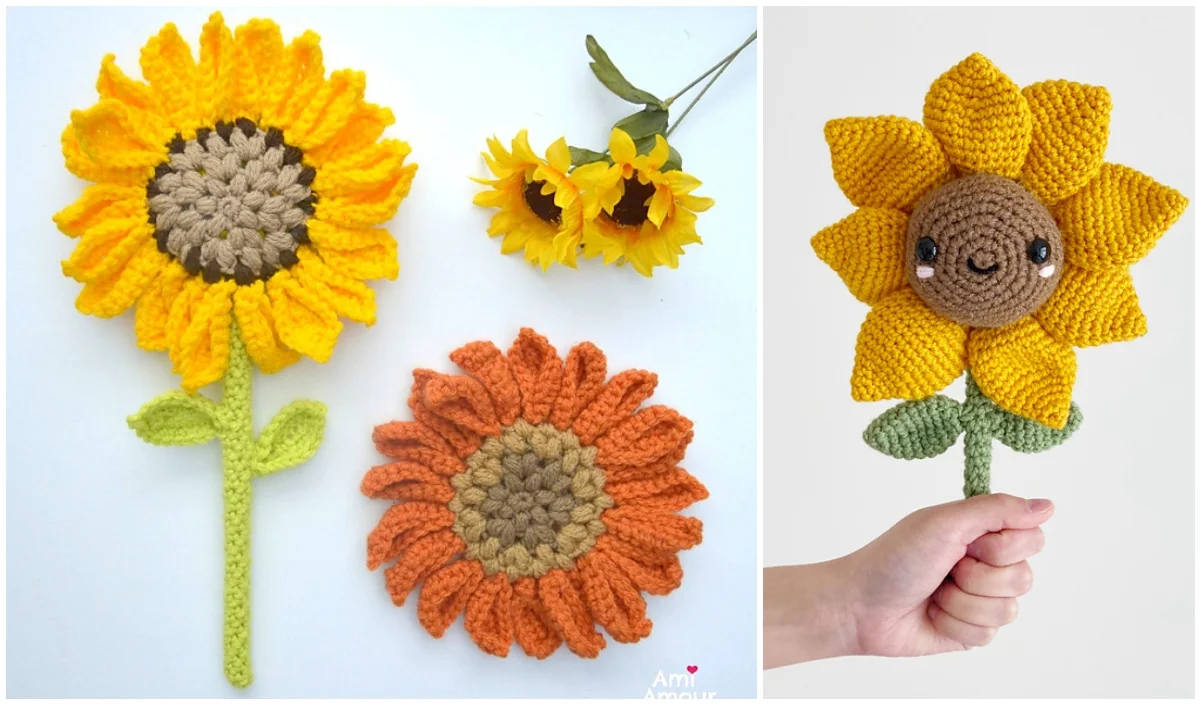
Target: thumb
971, 518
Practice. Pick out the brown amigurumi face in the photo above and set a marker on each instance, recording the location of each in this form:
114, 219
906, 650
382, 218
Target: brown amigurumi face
983, 251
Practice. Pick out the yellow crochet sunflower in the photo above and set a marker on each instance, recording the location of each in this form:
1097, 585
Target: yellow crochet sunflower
993, 238
244, 186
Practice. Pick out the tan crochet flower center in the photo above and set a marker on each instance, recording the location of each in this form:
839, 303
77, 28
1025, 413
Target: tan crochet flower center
530, 501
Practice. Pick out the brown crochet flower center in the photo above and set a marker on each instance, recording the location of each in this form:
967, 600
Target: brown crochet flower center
634, 206
983, 251
529, 501
542, 205
233, 202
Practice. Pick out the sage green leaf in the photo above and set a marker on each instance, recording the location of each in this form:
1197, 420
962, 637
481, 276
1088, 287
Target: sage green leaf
1027, 436
643, 125
291, 438
581, 156
916, 429
608, 74
176, 419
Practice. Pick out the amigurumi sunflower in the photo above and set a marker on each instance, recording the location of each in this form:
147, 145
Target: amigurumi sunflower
992, 239
235, 204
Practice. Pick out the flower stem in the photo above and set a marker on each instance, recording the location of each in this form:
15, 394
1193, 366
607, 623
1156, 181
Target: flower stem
720, 68
237, 447
719, 65
977, 443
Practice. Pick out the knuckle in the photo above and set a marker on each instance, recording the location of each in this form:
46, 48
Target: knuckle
1009, 610
1023, 578
986, 636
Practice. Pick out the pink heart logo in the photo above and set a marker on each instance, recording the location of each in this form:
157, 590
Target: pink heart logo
692, 669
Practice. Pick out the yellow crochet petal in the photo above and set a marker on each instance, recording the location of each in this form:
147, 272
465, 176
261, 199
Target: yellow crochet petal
980, 118
179, 316
1093, 307
201, 354
866, 249
906, 351
621, 147
1022, 369
154, 306
365, 192
885, 162
1116, 218
111, 136
107, 247
101, 203
113, 83
1070, 132
362, 253
330, 109
364, 127
113, 294
348, 297
303, 321
258, 51
297, 80
81, 165
168, 66
252, 309
218, 71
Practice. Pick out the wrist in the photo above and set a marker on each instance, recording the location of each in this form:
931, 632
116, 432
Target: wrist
807, 613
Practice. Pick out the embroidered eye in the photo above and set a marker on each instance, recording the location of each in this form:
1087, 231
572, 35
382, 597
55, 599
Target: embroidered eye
1040, 251
926, 249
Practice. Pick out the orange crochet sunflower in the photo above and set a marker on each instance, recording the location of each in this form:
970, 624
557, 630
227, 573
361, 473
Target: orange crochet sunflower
993, 238
534, 497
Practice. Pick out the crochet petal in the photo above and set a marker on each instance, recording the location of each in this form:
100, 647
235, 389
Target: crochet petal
445, 593
615, 402
201, 355
462, 440
462, 401
1022, 369
110, 134
80, 164
101, 204
654, 531
1093, 308
408, 481
107, 248
218, 71
867, 250
361, 253
168, 65
980, 118
348, 297
539, 373
113, 294
179, 317
304, 321
113, 83
612, 599
567, 611
644, 438
297, 79
330, 108
366, 175
1070, 133
1116, 218
583, 377
652, 571
670, 491
402, 526
532, 627
369, 208
252, 308
885, 162
154, 305
412, 441
489, 617
258, 50
365, 126
906, 351
423, 557
488, 365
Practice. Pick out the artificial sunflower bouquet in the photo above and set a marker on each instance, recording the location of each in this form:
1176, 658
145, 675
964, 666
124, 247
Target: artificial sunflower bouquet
992, 238
630, 203
234, 204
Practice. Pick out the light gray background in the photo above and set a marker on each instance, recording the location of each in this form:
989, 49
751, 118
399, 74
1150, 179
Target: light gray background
114, 546
1111, 614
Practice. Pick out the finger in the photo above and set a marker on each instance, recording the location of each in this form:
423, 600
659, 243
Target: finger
971, 518
973, 609
976, 578
1007, 547
958, 630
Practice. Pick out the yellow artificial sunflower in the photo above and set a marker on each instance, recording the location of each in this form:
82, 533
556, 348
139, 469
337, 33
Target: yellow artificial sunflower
994, 238
637, 212
539, 202
244, 186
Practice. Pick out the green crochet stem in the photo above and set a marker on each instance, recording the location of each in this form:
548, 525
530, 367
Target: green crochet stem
928, 427
293, 436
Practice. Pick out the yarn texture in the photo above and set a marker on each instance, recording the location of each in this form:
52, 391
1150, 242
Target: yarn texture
533, 496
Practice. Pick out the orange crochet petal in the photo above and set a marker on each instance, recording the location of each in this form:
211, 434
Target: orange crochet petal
489, 616
463, 440
408, 481
462, 401
583, 377
423, 557
566, 609
644, 438
408, 440
615, 402
885, 162
487, 364
906, 351
612, 599
652, 571
1071, 131
539, 373
656, 531
670, 491
659, 468
445, 593
866, 249
1093, 308
100, 204
401, 526
532, 627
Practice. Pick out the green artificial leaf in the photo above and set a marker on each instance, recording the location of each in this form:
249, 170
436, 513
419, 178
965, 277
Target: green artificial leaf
291, 438
916, 429
608, 74
176, 419
581, 156
674, 161
644, 125
1018, 432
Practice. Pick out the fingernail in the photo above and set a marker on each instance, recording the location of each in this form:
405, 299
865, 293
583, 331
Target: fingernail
1039, 506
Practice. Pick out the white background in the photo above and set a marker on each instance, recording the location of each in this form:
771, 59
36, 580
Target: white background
1111, 613
114, 546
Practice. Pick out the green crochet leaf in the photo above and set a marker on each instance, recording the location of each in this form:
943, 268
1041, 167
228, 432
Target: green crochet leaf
608, 74
291, 438
1018, 432
916, 429
176, 419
